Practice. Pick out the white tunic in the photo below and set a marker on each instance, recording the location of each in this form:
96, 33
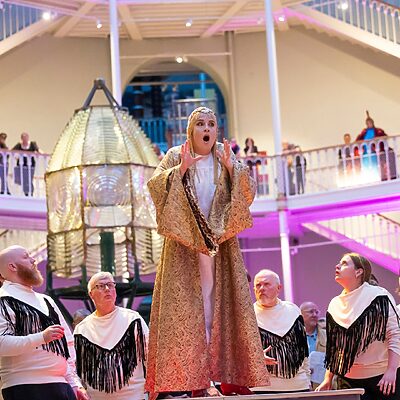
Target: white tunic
106, 331
205, 190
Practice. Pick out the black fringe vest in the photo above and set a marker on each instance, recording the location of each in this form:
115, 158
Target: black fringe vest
289, 350
29, 320
106, 370
344, 345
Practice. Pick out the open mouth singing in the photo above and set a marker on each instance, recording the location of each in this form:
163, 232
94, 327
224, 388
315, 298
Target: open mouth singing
206, 138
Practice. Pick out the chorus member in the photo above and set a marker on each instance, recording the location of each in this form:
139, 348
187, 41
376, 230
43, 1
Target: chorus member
111, 345
282, 331
36, 346
363, 334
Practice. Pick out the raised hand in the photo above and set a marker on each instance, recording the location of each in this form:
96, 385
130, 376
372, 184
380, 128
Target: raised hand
53, 332
187, 160
225, 157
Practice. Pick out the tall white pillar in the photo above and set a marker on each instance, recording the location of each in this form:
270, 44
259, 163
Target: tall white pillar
114, 46
276, 124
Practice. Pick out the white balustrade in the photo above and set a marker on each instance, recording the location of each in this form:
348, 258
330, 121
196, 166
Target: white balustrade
22, 173
374, 231
327, 169
14, 18
373, 16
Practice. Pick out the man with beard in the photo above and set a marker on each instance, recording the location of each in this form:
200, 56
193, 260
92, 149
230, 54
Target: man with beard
36, 347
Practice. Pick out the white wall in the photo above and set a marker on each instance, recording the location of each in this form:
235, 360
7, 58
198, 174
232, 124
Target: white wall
325, 84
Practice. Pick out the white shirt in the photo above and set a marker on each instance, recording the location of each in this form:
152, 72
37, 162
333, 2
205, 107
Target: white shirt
204, 183
22, 358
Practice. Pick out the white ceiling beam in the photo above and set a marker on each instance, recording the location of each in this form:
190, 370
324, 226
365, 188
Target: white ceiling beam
127, 20
74, 20
232, 11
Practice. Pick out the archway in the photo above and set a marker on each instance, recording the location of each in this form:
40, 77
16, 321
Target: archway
156, 87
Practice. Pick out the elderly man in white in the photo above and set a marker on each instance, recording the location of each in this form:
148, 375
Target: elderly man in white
111, 345
282, 332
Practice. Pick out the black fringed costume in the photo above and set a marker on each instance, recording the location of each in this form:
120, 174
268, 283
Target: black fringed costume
289, 350
356, 320
27, 320
109, 350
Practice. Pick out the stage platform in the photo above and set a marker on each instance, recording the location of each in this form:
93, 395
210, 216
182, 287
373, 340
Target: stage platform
348, 394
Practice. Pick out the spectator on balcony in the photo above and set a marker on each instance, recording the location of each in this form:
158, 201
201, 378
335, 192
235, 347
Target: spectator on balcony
369, 160
250, 149
235, 147
25, 175
363, 341
3, 165
300, 164
160, 154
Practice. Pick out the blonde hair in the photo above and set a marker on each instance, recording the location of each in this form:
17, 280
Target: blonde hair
193, 117
98, 277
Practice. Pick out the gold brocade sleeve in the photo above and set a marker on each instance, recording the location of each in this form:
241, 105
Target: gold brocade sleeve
175, 218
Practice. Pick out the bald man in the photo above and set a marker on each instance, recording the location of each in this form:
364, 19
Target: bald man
36, 346
316, 336
281, 327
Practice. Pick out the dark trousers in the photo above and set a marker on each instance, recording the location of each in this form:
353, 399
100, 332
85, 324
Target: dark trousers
372, 391
44, 391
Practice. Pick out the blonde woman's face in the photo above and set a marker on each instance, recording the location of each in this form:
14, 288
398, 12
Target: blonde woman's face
204, 134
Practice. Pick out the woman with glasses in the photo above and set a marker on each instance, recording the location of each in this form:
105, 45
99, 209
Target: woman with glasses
111, 345
363, 333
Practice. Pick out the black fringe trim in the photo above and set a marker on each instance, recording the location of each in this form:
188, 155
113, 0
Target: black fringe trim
106, 370
289, 350
344, 345
29, 320
208, 235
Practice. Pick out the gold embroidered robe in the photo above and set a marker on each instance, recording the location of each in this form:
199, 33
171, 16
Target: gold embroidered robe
179, 358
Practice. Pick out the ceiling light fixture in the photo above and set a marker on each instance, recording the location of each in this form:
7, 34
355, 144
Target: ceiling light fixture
281, 18
344, 5
46, 15
189, 23
99, 25
179, 59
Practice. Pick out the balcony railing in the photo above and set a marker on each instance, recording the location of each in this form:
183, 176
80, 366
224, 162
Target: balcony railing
14, 18
372, 16
308, 172
326, 169
22, 173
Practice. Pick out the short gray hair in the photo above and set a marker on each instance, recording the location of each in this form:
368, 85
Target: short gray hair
98, 277
268, 272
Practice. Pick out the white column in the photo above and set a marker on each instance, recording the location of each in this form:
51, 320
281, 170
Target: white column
114, 46
234, 124
276, 124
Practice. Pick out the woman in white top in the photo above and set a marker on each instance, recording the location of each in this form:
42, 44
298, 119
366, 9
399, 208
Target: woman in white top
363, 333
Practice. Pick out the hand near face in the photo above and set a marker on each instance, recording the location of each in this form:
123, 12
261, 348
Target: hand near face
187, 160
225, 157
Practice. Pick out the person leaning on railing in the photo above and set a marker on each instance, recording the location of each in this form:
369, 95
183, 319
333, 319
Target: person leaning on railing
387, 162
28, 164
